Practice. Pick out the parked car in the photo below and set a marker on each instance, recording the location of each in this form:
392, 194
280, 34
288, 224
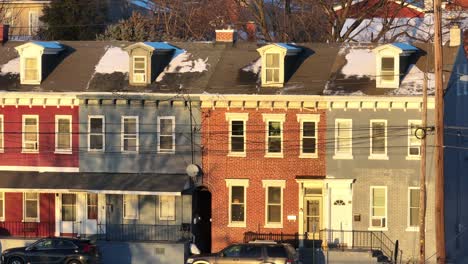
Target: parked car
54, 250
257, 252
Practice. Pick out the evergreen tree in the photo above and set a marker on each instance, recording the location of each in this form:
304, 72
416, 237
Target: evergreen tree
74, 19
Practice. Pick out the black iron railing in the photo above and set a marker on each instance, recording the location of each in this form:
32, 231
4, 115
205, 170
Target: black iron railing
144, 232
26, 229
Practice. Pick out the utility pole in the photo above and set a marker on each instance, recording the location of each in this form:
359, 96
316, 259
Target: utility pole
439, 139
422, 177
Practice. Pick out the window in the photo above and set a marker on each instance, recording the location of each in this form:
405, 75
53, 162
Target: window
308, 134
45, 243
92, 204
31, 207
63, 134
139, 69
237, 201
2, 206
96, 130
378, 139
414, 143
413, 208
388, 69
166, 207
237, 133
68, 207
378, 207
166, 131
274, 134
2, 141
30, 133
129, 134
130, 206
33, 22
272, 70
343, 138
273, 203
31, 72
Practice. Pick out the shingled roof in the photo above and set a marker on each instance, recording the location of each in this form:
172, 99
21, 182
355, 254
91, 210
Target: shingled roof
205, 67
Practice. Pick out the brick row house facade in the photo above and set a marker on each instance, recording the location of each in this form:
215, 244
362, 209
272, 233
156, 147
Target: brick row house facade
171, 142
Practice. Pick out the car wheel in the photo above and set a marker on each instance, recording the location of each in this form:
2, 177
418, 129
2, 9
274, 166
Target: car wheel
15, 260
201, 262
73, 262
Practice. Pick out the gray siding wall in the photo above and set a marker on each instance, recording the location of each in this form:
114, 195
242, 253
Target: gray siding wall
147, 159
397, 173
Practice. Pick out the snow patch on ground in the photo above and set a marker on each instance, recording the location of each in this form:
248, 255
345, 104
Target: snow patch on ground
412, 83
360, 63
12, 67
114, 60
254, 67
183, 64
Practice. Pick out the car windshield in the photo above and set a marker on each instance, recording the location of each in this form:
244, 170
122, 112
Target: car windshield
44, 244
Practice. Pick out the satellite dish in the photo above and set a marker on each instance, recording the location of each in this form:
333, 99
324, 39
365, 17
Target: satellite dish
192, 170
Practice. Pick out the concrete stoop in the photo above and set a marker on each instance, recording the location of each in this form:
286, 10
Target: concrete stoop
307, 256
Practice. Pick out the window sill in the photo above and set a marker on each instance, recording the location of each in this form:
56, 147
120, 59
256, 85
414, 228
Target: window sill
129, 152
237, 224
343, 156
273, 226
377, 229
130, 218
308, 156
35, 82
30, 152
412, 229
31, 221
237, 154
166, 152
68, 152
378, 157
274, 155
413, 157
96, 150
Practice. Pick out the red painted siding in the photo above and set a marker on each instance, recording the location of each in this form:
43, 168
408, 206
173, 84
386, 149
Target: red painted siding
255, 167
46, 157
14, 225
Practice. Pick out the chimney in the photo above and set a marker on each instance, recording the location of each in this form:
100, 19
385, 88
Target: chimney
251, 29
226, 35
455, 35
4, 33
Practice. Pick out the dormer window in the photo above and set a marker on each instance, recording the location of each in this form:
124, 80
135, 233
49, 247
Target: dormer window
392, 62
148, 60
36, 60
274, 58
139, 69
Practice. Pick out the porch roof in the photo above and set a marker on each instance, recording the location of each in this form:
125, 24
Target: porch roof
110, 183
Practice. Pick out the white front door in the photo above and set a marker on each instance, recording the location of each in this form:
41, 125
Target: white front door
90, 220
340, 223
68, 211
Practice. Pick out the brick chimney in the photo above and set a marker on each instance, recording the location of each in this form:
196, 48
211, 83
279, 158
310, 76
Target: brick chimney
455, 35
4, 33
251, 29
226, 35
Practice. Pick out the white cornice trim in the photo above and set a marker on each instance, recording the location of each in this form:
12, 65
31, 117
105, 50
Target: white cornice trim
39, 169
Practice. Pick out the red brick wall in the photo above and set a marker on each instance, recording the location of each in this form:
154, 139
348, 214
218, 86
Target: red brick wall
218, 166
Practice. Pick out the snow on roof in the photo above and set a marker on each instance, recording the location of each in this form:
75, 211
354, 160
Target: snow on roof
404, 46
254, 67
114, 60
12, 67
49, 44
183, 63
412, 83
359, 62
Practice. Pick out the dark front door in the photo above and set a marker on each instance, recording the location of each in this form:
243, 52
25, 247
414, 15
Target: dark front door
202, 219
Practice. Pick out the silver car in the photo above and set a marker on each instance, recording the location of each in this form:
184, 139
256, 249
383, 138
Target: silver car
250, 253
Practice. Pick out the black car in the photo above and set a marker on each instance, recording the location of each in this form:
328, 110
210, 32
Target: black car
53, 250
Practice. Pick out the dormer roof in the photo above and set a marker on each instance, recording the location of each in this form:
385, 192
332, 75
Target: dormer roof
290, 49
152, 46
400, 47
47, 47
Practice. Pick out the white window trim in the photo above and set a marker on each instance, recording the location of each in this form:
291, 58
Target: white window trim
166, 151
2, 127
23, 70
410, 228
301, 118
97, 206
63, 151
23, 149
274, 183
170, 218
409, 156
237, 182
274, 118
2, 219
122, 135
73, 206
38, 219
244, 117
371, 228
133, 69
280, 69
103, 133
388, 53
338, 155
137, 208
383, 156
30, 26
